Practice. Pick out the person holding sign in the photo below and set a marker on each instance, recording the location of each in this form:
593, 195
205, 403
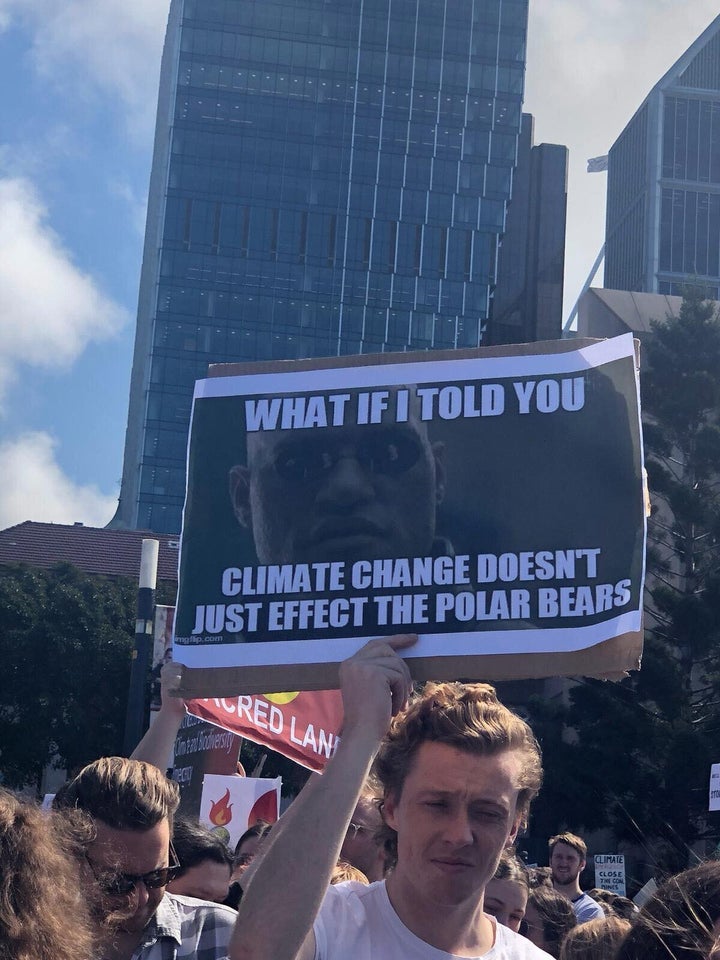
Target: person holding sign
458, 772
363, 490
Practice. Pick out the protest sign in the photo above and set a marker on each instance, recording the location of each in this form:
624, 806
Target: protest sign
610, 872
491, 501
162, 652
230, 805
303, 726
201, 748
714, 799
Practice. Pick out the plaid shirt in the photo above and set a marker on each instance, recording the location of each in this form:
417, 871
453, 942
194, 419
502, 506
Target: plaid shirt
186, 928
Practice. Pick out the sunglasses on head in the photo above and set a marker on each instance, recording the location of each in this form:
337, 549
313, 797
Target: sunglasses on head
119, 884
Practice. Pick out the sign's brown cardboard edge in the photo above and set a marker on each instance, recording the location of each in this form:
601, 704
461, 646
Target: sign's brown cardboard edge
610, 660
383, 359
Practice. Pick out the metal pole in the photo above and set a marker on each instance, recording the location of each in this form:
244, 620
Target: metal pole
135, 716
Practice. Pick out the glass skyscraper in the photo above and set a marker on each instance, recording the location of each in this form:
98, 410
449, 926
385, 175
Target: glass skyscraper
663, 206
328, 178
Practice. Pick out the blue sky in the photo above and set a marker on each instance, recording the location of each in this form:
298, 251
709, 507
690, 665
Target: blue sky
79, 81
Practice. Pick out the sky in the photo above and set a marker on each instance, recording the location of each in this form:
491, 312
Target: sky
76, 126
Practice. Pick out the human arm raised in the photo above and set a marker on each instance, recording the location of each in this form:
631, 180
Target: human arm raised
157, 745
285, 893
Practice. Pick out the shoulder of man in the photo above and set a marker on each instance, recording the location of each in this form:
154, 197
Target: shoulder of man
205, 926
586, 908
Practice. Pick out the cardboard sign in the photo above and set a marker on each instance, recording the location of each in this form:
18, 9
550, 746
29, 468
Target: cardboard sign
714, 799
610, 872
230, 805
491, 501
201, 748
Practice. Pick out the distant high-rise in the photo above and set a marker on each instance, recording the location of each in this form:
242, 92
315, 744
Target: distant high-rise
328, 178
528, 298
663, 200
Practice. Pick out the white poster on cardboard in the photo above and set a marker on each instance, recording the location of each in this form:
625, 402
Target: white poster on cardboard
610, 872
714, 798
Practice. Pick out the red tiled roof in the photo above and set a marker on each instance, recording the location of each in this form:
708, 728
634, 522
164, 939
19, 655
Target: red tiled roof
113, 553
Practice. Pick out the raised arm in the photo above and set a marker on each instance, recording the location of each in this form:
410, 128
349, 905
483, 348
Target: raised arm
157, 745
278, 909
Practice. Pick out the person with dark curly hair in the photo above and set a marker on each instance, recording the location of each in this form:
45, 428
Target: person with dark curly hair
43, 913
681, 920
549, 917
458, 772
205, 862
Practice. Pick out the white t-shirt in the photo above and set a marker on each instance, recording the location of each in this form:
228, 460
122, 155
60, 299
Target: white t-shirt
587, 909
358, 922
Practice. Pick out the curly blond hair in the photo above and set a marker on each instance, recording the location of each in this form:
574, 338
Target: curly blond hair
467, 716
44, 914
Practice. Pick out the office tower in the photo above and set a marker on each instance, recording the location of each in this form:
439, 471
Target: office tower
328, 178
527, 304
663, 200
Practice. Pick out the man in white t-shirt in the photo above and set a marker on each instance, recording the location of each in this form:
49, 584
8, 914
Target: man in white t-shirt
458, 771
568, 856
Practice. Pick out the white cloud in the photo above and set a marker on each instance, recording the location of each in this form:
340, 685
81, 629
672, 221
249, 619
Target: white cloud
98, 46
35, 488
136, 204
49, 309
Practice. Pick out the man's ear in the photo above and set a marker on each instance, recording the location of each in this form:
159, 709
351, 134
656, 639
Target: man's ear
514, 830
438, 452
240, 494
387, 811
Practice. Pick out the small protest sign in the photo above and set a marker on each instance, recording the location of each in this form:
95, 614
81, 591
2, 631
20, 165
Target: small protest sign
714, 799
162, 651
491, 501
201, 748
230, 805
610, 872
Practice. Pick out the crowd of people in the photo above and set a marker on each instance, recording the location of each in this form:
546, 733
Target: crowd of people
402, 850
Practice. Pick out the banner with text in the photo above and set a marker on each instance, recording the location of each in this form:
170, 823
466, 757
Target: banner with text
303, 726
201, 748
494, 504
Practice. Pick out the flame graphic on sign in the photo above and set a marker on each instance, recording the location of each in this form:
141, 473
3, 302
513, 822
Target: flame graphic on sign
221, 811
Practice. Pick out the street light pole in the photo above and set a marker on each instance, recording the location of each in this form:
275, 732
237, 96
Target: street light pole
135, 716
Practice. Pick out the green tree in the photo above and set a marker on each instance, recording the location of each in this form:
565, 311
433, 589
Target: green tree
639, 753
65, 644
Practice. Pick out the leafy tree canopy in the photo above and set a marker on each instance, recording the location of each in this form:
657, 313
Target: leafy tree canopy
65, 644
635, 756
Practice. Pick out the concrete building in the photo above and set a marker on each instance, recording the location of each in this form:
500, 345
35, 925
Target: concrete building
610, 313
327, 179
663, 199
528, 299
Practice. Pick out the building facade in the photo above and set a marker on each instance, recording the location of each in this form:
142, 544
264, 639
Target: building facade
663, 200
328, 178
528, 298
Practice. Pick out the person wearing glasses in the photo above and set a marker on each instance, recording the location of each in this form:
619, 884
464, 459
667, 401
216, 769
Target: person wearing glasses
361, 847
131, 860
355, 492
